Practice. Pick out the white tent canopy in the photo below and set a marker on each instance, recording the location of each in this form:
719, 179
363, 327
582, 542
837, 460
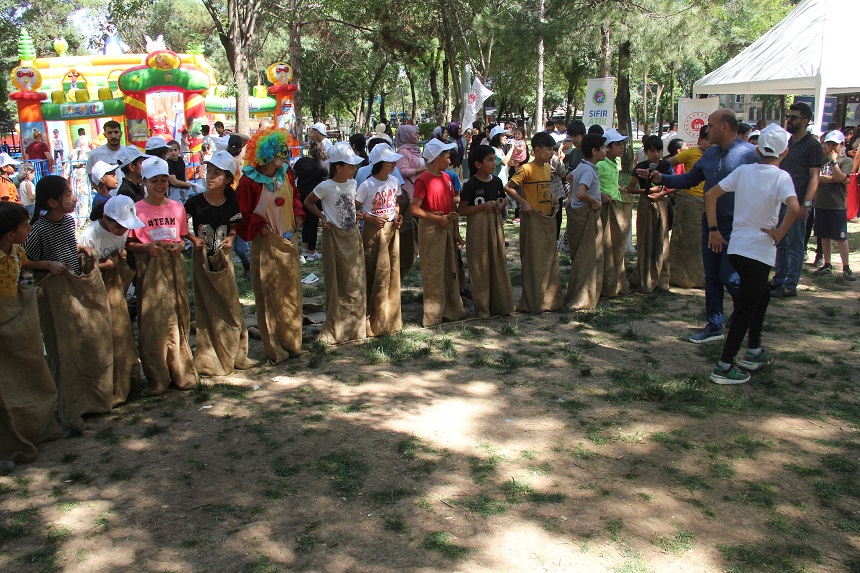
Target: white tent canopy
807, 53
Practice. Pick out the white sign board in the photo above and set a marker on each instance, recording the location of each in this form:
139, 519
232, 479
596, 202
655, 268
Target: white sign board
693, 116
600, 103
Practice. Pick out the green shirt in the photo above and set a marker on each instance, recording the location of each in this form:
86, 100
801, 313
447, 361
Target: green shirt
608, 171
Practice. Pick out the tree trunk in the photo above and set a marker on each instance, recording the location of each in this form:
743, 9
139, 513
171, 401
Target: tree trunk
296, 65
382, 114
658, 123
538, 123
570, 91
446, 83
622, 104
371, 90
411, 80
434, 86
645, 102
605, 51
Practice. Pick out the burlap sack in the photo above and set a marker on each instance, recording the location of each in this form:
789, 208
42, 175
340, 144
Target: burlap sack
75, 317
685, 251
345, 286
382, 267
539, 260
652, 246
615, 218
492, 294
126, 364
221, 336
408, 235
164, 323
277, 281
439, 276
585, 236
28, 395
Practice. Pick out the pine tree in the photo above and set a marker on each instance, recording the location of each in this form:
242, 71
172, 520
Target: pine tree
26, 49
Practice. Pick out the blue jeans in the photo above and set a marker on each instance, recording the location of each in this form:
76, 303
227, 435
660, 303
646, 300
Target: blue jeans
789, 253
719, 273
242, 250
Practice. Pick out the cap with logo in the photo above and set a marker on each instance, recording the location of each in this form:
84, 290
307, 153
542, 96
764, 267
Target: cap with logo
153, 167
835, 136
223, 160
498, 130
342, 152
156, 142
613, 135
435, 147
383, 152
129, 154
122, 210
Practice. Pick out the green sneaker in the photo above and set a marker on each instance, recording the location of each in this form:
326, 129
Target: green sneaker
733, 375
752, 362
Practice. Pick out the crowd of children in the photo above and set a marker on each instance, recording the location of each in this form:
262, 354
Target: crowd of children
140, 224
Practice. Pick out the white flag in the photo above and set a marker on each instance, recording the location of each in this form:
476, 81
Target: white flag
600, 103
474, 102
693, 116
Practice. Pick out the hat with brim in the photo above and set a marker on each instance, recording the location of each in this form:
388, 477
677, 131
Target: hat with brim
223, 160
773, 140
153, 167
156, 142
835, 136
320, 127
129, 154
341, 152
383, 152
498, 130
434, 148
613, 135
6, 159
100, 169
122, 210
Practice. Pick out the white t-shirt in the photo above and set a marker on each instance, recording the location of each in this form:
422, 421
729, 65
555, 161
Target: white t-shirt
760, 190
338, 202
23, 195
103, 242
101, 153
379, 198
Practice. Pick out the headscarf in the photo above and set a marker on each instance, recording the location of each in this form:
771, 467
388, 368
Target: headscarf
455, 136
407, 139
437, 133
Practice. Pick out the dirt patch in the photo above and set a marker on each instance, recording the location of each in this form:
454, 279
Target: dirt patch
560, 442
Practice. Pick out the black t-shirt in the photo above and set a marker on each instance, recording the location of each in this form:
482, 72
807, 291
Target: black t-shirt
212, 222
309, 173
663, 166
176, 168
477, 192
130, 189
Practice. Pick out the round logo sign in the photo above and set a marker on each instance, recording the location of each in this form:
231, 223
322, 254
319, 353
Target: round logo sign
599, 96
695, 122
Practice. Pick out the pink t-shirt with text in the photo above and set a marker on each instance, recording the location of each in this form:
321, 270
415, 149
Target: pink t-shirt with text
165, 223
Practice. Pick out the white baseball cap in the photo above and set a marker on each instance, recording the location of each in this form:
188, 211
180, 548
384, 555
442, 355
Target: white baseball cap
497, 130
320, 127
613, 135
156, 142
434, 147
342, 152
6, 159
223, 160
773, 140
100, 169
129, 154
122, 210
835, 136
383, 152
754, 133
153, 167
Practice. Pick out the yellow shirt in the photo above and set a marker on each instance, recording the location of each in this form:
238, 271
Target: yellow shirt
534, 182
10, 270
688, 158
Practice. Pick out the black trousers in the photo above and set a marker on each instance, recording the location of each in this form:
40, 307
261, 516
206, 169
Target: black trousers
810, 225
750, 305
310, 225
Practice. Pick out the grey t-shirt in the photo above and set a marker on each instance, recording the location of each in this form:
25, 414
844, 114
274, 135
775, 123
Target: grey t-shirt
833, 195
585, 174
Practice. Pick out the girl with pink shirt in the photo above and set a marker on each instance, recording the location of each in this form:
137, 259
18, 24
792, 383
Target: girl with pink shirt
411, 165
164, 318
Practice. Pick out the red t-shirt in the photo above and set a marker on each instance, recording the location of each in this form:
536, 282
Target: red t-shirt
36, 151
437, 191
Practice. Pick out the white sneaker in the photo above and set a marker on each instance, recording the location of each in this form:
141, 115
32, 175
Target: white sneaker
302, 260
313, 257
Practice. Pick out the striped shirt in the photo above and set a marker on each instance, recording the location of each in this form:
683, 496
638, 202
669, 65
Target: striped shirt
54, 241
802, 156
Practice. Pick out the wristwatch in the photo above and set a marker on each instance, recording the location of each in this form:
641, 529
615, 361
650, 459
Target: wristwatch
807, 203
713, 228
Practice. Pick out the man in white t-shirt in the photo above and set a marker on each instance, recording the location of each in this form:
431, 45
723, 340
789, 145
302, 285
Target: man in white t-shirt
107, 235
109, 151
319, 133
760, 191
